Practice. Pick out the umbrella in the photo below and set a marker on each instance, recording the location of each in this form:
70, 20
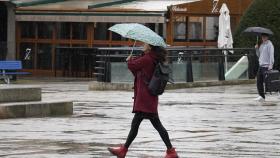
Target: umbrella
225, 37
138, 32
258, 30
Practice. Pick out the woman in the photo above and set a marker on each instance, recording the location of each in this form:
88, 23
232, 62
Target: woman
145, 104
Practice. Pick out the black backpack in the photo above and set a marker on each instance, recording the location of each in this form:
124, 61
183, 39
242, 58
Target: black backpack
159, 79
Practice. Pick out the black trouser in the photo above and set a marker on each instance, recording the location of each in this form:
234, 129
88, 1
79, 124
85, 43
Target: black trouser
260, 80
138, 118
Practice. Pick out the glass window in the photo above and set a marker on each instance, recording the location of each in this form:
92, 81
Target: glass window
45, 30
3, 22
3, 50
63, 30
151, 26
101, 31
180, 29
195, 29
212, 28
118, 37
26, 55
61, 60
79, 45
44, 56
28, 29
79, 31
159, 29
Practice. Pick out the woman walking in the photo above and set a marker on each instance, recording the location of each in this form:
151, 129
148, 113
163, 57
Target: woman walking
145, 105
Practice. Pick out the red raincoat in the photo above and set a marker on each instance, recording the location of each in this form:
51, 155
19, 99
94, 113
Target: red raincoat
142, 69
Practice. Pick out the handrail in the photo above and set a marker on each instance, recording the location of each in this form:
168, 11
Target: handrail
102, 57
173, 48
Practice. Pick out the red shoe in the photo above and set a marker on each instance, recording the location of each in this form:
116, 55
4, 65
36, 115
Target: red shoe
171, 153
120, 152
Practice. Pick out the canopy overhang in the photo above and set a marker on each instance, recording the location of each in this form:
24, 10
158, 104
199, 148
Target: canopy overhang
113, 11
92, 17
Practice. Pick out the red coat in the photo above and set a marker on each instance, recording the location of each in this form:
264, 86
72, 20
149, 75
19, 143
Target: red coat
142, 69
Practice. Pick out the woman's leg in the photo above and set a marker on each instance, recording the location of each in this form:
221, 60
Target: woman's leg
162, 131
138, 118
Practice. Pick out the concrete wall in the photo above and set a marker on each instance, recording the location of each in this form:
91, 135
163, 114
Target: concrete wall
11, 37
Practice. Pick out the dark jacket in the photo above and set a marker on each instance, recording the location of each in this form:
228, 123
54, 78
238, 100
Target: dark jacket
142, 69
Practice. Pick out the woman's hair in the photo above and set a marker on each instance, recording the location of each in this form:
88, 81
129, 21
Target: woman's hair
160, 52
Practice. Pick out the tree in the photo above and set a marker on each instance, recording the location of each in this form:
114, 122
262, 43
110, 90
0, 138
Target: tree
262, 13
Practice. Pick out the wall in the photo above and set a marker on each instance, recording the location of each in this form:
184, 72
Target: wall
11, 37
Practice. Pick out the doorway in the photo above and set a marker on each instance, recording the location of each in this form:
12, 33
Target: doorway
3, 30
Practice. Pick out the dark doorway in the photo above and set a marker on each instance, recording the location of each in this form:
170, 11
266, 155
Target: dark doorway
3, 30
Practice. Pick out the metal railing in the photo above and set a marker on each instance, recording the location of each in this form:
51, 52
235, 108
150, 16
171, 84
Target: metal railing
190, 56
97, 62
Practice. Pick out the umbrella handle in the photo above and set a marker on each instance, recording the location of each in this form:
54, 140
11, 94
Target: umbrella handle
132, 48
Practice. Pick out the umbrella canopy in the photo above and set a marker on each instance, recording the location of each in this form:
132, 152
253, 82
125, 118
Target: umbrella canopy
225, 37
138, 32
258, 30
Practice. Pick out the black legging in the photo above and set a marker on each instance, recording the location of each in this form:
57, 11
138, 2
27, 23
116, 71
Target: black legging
138, 118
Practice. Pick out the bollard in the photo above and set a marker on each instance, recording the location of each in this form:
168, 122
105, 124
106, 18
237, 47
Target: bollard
221, 69
189, 69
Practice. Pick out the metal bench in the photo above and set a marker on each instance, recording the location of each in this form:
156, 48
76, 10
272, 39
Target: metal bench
13, 66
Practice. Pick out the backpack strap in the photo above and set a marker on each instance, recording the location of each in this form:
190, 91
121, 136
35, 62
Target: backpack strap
146, 81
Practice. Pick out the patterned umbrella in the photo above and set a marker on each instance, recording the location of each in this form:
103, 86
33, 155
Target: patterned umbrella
138, 32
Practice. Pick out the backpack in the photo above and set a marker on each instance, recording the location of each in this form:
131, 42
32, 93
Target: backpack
159, 79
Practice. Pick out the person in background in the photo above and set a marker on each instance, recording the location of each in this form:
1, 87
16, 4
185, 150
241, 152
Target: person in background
265, 53
145, 105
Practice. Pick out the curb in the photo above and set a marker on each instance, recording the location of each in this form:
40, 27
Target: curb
103, 86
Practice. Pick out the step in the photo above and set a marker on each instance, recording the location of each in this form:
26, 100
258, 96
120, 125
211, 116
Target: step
35, 109
127, 86
19, 93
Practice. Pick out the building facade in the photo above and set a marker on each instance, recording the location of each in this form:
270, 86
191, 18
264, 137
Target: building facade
42, 26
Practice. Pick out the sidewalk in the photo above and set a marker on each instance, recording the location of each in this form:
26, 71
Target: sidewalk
209, 122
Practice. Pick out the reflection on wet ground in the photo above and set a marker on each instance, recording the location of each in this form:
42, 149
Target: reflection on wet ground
209, 122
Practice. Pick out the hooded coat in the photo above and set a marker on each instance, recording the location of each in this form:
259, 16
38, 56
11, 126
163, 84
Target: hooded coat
142, 68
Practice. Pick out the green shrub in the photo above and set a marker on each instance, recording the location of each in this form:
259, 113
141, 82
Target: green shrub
262, 13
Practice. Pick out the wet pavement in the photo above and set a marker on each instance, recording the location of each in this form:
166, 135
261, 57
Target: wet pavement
211, 122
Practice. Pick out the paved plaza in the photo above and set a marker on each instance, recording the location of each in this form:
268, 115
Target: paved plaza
210, 122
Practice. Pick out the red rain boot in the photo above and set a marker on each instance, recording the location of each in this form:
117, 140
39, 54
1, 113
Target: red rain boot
171, 153
120, 152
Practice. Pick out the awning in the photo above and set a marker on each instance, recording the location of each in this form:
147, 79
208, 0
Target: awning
113, 11
143, 5
116, 17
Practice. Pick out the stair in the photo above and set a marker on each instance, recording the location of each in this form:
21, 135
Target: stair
17, 101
